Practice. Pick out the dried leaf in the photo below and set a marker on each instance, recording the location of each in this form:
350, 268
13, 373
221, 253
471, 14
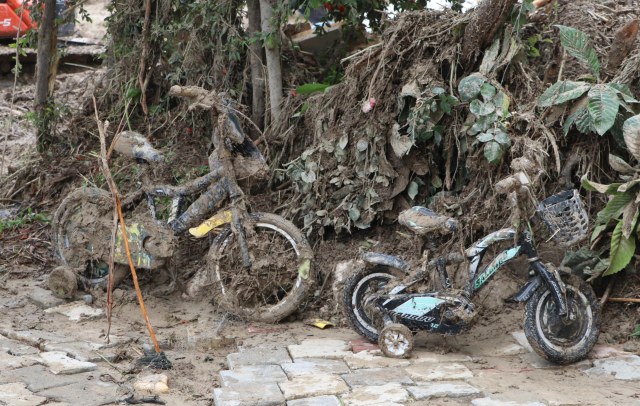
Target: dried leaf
619, 165
631, 134
490, 55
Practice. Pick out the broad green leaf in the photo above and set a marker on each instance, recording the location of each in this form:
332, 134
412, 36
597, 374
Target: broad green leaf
618, 164
622, 250
597, 230
412, 190
502, 137
311, 88
483, 123
624, 91
480, 108
446, 107
437, 90
577, 44
631, 134
611, 189
561, 92
501, 101
493, 152
584, 121
485, 137
354, 214
614, 209
469, 87
616, 130
131, 93
603, 107
488, 92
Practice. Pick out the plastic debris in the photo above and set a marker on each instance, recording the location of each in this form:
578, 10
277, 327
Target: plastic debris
322, 324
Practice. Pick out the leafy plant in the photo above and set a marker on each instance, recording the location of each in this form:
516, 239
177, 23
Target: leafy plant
592, 107
622, 209
22, 219
489, 108
424, 117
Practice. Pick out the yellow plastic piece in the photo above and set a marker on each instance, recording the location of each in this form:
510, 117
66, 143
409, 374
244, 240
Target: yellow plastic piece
215, 221
322, 324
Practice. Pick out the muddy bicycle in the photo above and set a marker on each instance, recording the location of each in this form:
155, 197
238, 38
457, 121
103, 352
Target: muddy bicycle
562, 314
259, 266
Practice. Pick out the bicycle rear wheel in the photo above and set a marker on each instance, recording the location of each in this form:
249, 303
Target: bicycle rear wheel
280, 275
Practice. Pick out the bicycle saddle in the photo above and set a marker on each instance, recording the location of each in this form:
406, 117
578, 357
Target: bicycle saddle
132, 144
422, 220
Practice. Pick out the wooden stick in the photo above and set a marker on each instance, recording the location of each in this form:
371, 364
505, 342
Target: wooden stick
624, 299
114, 190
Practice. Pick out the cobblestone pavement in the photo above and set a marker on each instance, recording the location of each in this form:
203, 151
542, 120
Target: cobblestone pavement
58, 364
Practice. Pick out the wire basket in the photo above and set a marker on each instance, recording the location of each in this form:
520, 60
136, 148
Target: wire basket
565, 217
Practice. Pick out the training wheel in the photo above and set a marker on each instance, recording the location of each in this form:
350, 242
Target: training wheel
396, 341
63, 283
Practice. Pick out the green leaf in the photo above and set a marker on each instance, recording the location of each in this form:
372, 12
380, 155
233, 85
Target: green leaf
501, 101
483, 123
436, 182
631, 134
614, 209
412, 190
354, 214
584, 121
437, 90
469, 87
603, 107
303, 110
618, 164
563, 92
622, 250
624, 91
480, 108
533, 51
493, 152
597, 231
611, 189
446, 107
311, 88
577, 44
502, 137
488, 92
485, 137
131, 93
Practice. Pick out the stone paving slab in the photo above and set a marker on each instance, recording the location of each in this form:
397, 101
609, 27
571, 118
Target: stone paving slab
252, 374
82, 351
44, 299
425, 356
521, 339
496, 402
77, 311
311, 366
425, 372
508, 351
16, 394
259, 356
8, 361
307, 386
442, 389
320, 348
36, 337
59, 363
16, 347
316, 401
625, 367
96, 393
265, 394
34, 377
376, 395
368, 359
377, 377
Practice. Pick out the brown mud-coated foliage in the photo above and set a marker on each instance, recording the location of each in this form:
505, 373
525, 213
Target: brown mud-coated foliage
622, 44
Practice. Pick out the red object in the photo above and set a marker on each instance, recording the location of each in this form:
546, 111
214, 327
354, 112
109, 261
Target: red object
224, 71
80, 158
328, 6
293, 92
362, 345
342, 8
10, 19
189, 129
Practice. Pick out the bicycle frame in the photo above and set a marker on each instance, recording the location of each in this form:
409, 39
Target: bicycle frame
474, 255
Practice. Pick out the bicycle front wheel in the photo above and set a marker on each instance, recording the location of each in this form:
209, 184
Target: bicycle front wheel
280, 276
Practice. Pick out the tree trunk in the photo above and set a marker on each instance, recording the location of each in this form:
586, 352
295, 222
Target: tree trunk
46, 68
257, 65
482, 28
272, 48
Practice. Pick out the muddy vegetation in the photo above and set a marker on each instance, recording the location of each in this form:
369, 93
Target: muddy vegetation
431, 108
